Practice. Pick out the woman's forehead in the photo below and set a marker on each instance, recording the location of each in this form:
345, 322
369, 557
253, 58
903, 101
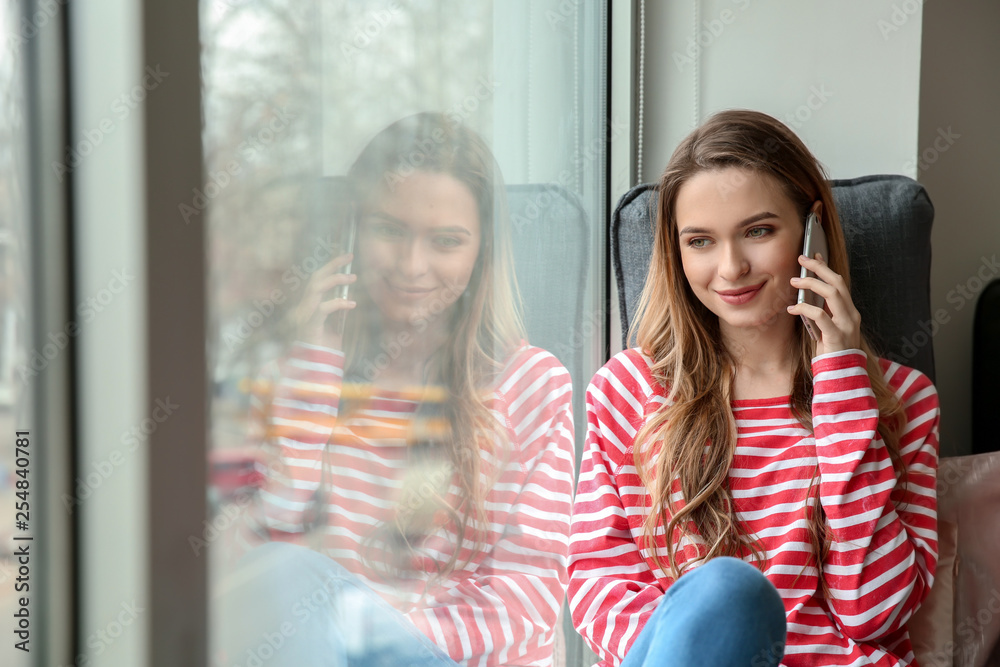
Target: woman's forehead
729, 188
423, 199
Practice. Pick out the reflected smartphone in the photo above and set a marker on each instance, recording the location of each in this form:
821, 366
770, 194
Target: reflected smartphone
346, 245
814, 242
334, 217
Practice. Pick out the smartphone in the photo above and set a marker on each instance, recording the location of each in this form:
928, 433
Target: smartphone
346, 245
335, 218
814, 242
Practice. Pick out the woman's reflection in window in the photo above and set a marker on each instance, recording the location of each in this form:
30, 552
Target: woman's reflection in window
418, 446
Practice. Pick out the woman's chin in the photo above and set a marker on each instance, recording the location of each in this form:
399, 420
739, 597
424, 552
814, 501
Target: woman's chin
415, 315
753, 321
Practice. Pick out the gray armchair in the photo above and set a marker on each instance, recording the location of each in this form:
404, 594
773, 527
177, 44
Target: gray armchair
887, 223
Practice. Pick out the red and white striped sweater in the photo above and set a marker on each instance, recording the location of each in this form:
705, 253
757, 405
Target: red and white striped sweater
880, 566
501, 608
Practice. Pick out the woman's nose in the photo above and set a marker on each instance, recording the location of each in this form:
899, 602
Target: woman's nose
733, 263
412, 260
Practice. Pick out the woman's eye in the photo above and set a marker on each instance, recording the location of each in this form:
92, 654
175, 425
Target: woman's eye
386, 231
758, 232
448, 241
698, 243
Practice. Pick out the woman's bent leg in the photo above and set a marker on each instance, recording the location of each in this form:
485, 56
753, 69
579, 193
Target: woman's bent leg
288, 605
724, 613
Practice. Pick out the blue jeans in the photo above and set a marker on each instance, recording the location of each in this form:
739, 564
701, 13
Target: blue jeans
724, 613
286, 605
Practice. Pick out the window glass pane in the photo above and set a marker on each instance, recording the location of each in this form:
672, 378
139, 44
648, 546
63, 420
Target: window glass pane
15, 316
393, 432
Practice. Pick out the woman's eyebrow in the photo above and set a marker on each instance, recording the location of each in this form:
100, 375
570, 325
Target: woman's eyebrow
453, 230
763, 215
449, 229
385, 216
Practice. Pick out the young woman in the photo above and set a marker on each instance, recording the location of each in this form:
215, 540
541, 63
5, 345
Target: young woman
748, 492
425, 451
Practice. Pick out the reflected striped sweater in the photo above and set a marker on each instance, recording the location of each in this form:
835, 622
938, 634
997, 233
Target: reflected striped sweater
501, 607
882, 560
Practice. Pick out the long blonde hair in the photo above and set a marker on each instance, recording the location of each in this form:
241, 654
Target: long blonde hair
485, 321
682, 338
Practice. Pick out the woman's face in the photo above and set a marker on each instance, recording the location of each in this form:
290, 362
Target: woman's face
417, 246
740, 237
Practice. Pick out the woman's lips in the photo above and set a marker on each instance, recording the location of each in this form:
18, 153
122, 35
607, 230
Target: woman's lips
410, 293
740, 296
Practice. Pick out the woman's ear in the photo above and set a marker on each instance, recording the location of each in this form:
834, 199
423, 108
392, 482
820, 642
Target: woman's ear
817, 208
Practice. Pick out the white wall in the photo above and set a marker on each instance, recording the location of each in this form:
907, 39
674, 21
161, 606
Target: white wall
860, 76
960, 167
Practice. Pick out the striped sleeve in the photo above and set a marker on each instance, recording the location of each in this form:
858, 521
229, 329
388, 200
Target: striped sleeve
293, 411
884, 531
612, 591
506, 610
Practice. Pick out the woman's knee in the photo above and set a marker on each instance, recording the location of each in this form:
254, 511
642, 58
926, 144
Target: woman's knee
732, 586
281, 591
287, 574
725, 609
274, 553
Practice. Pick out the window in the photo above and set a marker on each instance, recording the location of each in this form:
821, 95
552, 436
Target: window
294, 93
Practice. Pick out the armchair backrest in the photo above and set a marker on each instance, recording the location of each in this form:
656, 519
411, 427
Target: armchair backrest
551, 242
887, 224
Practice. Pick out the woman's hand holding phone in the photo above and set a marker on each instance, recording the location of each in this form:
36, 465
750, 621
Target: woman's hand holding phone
838, 320
320, 300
